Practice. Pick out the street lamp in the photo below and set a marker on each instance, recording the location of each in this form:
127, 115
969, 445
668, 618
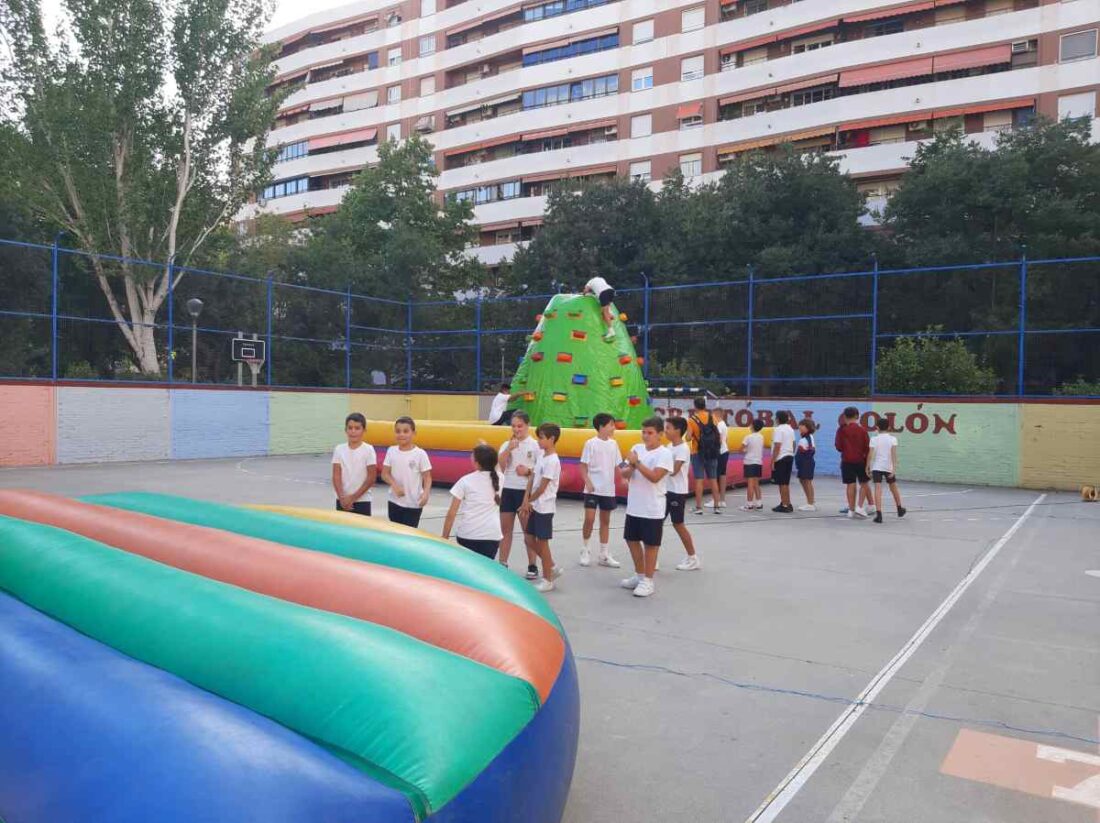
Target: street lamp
194, 308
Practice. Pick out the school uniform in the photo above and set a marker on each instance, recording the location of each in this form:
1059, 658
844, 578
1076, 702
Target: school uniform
540, 525
677, 483
783, 436
724, 448
646, 501
354, 465
804, 458
882, 465
601, 457
753, 462
602, 290
478, 527
512, 486
407, 469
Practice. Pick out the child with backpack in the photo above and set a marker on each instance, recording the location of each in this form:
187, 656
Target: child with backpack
705, 448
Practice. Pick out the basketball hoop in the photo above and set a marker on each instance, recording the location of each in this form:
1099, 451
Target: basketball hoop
254, 366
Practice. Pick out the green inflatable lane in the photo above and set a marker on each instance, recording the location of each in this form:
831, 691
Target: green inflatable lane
412, 553
419, 718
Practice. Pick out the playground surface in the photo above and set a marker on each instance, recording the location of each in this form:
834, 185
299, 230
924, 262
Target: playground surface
942, 667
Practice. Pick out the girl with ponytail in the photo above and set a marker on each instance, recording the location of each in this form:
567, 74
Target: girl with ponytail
476, 497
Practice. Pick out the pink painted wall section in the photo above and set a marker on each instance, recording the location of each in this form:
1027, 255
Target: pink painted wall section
27, 426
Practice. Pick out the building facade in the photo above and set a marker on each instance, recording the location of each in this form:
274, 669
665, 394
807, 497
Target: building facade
519, 97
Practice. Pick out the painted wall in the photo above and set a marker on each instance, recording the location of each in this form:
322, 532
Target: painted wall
1034, 445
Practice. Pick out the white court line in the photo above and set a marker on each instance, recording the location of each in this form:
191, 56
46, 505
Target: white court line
790, 785
940, 494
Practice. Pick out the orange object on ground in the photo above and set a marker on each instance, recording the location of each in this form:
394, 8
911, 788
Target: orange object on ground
453, 617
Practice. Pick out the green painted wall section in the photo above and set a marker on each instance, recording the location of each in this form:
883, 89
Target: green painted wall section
306, 422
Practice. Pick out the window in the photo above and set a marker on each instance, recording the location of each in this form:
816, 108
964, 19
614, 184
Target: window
571, 92
997, 121
950, 14
641, 79
427, 85
811, 43
427, 8
393, 94
575, 49
393, 131
285, 188
807, 96
393, 19
942, 125
755, 6
1077, 105
393, 57
995, 7
427, 45
691, 165
884, 28
642, 171
754, 56
641, 125
643, 31
490, 193
691, 68
292, 151
558, 7
372, 60
693, 122
1077, 46
753, 107
693, 19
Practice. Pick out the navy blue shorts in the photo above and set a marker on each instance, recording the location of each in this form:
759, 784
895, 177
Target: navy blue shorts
541, 526
359, 507
805, 463
511, 500
675, 506
486, 548
606, 297
753, 470
781, 471
723, 463
644, 530
605, 503
405, 516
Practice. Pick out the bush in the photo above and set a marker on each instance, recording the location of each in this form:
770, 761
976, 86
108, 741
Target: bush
926, 364
80, 370
683, 372
1079, 388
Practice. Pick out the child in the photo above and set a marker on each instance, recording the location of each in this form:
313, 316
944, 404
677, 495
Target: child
853, 444
753, 465
599, 466
783, 460
882, 463
647, 466
602, 291
408, 471
517, 460
723, 456
541, 501
354, 468
805, 462
677, 494
500, 404
477, 497
705, 448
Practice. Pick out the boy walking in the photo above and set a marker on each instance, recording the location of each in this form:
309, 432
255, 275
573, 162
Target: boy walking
648, 465
541, 501
354, 468
599, 466
882, 463
752, 447
677, 494
853, 444
783, 460
602, 291
705, 448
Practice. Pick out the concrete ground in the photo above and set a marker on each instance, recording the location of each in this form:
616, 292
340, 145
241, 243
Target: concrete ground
943, 667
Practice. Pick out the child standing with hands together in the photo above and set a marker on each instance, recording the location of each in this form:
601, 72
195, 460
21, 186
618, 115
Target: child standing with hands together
408, 471
354, 468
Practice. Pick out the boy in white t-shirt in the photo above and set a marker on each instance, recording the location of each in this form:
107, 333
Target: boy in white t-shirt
882, 465
599, 468
783, 441
602, 291
752, 447
678, 492
541, 502
408, 471
647, 466
354, 468
517, 459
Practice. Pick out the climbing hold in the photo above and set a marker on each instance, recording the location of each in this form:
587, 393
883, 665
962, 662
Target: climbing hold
577, 334
551, 315
622, 316
537, 336
559, 397
641, 361
620, 424
537, 356
616, 381
565, 357
529, 396
634, 401
580, 379
580, 422
624, 359
574, 314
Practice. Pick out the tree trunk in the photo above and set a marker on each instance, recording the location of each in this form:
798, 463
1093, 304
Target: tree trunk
146, 348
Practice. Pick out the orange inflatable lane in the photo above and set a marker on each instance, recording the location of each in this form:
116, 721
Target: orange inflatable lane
453, 617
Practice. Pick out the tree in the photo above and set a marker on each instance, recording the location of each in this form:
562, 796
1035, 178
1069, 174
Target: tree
929, 364
145, 126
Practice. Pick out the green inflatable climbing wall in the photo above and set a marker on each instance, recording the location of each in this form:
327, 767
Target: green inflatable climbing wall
570, 373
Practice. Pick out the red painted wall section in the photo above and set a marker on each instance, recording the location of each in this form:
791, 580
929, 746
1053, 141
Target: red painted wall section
27, 426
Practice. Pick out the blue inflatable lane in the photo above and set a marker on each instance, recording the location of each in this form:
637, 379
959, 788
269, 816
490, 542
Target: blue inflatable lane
90, 734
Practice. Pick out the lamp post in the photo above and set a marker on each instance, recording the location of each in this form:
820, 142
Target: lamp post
194, 308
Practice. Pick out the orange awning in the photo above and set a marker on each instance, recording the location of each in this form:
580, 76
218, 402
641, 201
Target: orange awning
612, 169
688, 110
988, 56
749, 145
746, 95
878, 14
542, 135
886, 72
541, 178
293, 110
763, 40
483, 144
981, 108
794, 137
330, 140
808, 83
892, 120
507, 224
811, 28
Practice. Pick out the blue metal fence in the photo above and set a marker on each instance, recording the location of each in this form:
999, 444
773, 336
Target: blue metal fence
1035, 322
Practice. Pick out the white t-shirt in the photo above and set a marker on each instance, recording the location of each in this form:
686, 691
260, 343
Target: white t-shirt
783, 436
525, 454
643, 497
678, 481
601, 457
479, 515
805, 443
548, 467
500, 403
353, 466
407, 468
597, 285
753, 445
723, 432
882, 445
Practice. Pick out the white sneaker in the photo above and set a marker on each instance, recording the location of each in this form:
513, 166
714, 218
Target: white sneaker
860, 513
609, 561
709, 504
807, 507
544, 585
748, 507
850, 515
697, 510
586, 557
690, 564
556, 572
609, 335
760, 506
631, 582
645, 588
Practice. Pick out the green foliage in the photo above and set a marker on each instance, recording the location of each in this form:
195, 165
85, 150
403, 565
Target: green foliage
81, 370
685, 373
1079, 388
926, 364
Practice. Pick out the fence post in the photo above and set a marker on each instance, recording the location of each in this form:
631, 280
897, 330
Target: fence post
409, 346
477, 342
54, 260
270, 306
645, 326
874, 321
347, 340
171, 275
748, 344
1022, 334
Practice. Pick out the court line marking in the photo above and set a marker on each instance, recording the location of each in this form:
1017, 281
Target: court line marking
790, 785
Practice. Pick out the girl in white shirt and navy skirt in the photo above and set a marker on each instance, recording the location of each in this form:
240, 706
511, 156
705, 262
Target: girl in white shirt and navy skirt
476, 496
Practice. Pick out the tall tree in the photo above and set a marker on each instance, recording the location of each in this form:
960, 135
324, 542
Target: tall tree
146, 126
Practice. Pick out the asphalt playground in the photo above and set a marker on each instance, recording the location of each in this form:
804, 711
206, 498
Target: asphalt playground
942, 667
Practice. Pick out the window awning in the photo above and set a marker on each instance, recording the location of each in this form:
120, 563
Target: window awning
811, 28
808, 83
542, 135
321, 105
746, 95
496, 101
940, 3
886, 72
545, 176
763, 40
469, 107
482, 144
878, 14
892, 120
807, 134
507, 224
329, 141
293, 110
553, 44
688, 110
356, 102
982, 108
749, 145
473, 24
974, 58
291, 77
320, 66
612, 169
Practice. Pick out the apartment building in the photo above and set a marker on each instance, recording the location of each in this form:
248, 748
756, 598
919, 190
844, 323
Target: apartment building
520, 97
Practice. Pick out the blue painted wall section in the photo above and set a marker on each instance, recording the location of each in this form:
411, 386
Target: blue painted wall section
219, 423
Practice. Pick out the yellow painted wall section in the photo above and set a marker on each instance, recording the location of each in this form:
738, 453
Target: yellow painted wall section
1059, 445
379, 406
444, 407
